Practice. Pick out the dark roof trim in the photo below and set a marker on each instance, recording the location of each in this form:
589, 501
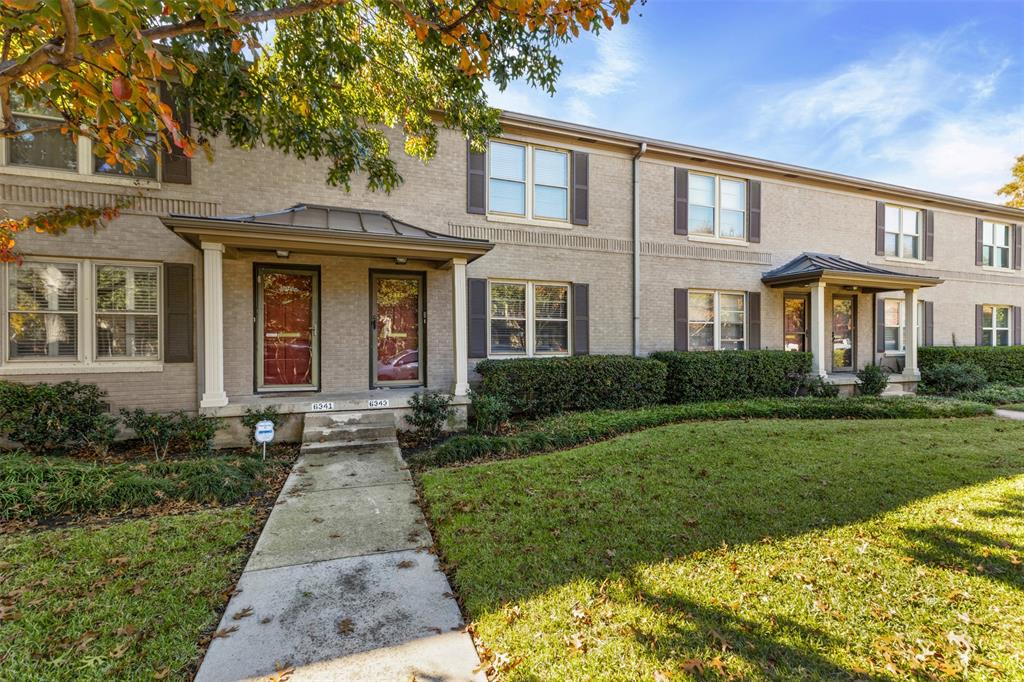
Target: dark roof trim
813, 267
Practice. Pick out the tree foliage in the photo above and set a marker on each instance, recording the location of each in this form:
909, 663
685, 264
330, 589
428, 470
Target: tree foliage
319, 79
1014, 189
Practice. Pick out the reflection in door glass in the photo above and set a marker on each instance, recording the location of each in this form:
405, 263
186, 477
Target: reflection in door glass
398, 329
842, 333
287, 328
795, 321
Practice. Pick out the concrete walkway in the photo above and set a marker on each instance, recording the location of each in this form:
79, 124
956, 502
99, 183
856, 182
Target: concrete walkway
341, 585
1010, 414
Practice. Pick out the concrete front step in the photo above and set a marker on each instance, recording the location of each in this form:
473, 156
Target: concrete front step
339, 431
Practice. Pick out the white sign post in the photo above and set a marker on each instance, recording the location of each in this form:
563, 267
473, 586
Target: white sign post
264, 434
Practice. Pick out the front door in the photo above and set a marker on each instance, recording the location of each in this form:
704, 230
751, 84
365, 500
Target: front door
287, 314
844, 317
397, 329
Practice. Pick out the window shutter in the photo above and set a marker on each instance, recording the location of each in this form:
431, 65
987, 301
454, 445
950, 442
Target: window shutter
476, 181
929, 235
580, 188
979, 241
682, 200
179, 329
929, 323
753, 320
978, 314
754, 210
879, 324
1017, 230
1016, 325
879, 228
580, 319
680, 312
477, 301
175, 167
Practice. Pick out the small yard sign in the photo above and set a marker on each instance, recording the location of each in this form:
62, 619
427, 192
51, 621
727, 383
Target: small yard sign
264, 433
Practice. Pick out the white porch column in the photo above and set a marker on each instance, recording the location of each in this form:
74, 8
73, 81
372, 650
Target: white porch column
819, 355
460, 334
910, 323
213, 326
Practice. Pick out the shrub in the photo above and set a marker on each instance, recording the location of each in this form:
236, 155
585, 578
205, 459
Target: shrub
430, 413
254, 415
154, 429
1003, 364
950, 378
817, 387
197, 432
731, 375
872, 380
536, 387
490, 412
995, 394
59, 417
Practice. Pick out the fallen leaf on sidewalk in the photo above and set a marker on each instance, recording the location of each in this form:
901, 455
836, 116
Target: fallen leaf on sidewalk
406, 563
225, 632
244, 613
346, 626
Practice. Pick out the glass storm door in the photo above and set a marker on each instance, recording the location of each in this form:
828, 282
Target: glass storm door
286, 323
397, 334
844, 315
795, 322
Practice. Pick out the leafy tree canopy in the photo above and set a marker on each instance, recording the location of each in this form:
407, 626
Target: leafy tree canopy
1014, 189
318, 79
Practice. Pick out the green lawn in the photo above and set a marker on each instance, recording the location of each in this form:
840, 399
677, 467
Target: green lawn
750, 550
124, 601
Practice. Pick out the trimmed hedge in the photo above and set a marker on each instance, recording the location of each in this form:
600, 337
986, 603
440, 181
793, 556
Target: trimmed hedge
733, 375
1003, 364
571, 430
537, 387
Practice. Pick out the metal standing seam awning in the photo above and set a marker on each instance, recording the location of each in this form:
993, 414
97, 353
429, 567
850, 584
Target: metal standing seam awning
809, 268
310, 228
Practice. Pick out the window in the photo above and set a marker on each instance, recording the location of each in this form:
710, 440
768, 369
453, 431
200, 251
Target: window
903, 231
716, 320
995, 325
795, 323
529, 318
717, 206
894, 332
527, 181
995, 250
82, 312
42, 317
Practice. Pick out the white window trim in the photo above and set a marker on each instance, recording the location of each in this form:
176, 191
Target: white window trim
528, 216
986, 230
717, 324
87, 362
993, 329
900, 234
531, 319
918, 328
717, 234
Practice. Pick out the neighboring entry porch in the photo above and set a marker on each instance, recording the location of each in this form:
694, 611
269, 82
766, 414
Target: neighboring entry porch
828, 310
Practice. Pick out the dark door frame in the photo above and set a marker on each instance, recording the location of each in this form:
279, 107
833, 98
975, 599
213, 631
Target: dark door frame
806, 298
853, 334
257, 344
421, 275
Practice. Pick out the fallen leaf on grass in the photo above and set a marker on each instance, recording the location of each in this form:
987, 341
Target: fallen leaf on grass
720, 638
576, 642
161, 674
694, 666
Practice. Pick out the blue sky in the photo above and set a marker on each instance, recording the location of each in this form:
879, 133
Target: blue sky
924, 94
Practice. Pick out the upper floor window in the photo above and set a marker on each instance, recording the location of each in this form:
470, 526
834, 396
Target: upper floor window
903, 231
997, 239
717, 320
717, 206
995, 325
895, 329
529, 318
528, 181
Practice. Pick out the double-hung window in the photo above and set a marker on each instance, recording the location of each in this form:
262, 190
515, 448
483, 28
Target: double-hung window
717, 320
996, 241
717, 206
42, 311
529, 318
127, 312
995, 325
895, 329
903, 228
528, 181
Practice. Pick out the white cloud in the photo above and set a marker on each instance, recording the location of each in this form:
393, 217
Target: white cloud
615, 65
580, 111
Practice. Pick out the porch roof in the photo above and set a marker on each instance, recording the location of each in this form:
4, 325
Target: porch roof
814, 267
312, 228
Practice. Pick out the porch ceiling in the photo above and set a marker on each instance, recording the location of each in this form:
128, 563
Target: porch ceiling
307, 228
808, 268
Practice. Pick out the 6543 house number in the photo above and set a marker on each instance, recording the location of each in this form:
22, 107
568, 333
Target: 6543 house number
378, 402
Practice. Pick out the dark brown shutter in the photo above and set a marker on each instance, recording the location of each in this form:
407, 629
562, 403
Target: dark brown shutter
179, 329
978, 315
580, 188
580, 319
879, 228
929, 235
175, 167
1016, 325
754, 210
1017, 230
680, 314
682, 201
880, 324
753, 320
979, 240
477, 295
929, 323
476, 182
